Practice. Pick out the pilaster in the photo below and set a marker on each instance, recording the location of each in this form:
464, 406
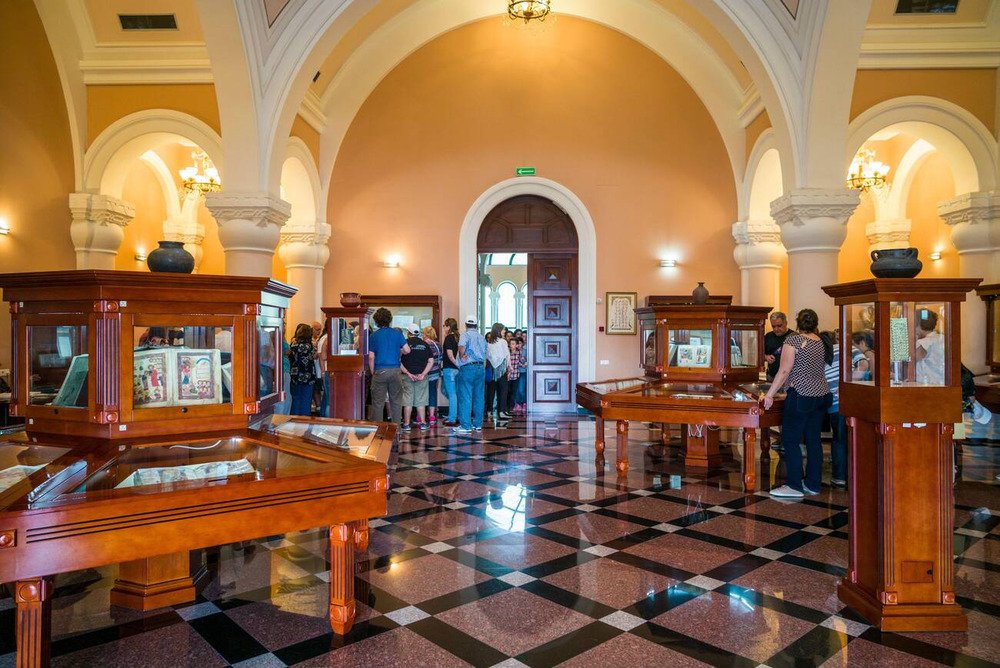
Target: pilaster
249, 229
305, 252
812, 222
98, 228
760, 256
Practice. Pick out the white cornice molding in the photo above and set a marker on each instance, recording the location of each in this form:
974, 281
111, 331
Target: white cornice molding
311, 110
802, 206
143, 71
934, 55
260, 209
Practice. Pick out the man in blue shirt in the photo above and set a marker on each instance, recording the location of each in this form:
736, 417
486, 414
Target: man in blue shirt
471, 378
385, 346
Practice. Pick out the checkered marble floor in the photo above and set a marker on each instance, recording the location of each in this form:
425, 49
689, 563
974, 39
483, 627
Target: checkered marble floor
513, 549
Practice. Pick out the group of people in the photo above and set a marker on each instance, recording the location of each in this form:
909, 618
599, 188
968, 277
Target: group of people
479, 375
805, 363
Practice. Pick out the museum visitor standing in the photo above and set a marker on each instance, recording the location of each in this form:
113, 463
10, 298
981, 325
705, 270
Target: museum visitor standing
838, 425
774, 340
471, 378
302, 355
434, 377
414, 365
385, 346
804, 357
449, 370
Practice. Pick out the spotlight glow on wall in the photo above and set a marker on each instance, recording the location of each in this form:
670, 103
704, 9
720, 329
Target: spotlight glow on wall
391, 262
669, 262
936, 255
4, 225
140, 255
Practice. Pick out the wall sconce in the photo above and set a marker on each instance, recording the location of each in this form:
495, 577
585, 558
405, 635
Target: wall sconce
4, 226
668, 263
391, 262
140, 256
936, 255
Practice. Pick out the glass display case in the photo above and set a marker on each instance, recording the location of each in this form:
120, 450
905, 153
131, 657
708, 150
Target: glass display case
900, 430
117, 354
988, 385
423, 310
346, 359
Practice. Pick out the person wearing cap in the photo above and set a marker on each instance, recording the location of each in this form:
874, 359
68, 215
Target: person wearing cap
413, 368
471, 378
385, 345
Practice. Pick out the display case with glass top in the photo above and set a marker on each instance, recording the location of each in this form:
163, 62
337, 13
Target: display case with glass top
702, 363
346, 356
900, 401
116, 354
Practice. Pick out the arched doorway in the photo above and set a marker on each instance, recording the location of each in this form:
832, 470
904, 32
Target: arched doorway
535, 228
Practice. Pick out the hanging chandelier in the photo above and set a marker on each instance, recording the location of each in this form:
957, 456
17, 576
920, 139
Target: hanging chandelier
866, 173
202, 177
528, 9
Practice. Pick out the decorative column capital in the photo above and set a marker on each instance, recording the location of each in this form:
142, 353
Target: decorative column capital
884, 234
756, 232
813, 219
973, 218
97, 228
305, 247
96, 209
261, 210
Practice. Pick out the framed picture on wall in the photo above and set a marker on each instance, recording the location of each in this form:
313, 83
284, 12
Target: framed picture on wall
620, 313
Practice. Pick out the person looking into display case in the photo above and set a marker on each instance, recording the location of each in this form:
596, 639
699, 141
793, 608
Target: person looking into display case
929, 349
385, 346
414, 365
449, 370
773, 342
153, 337
838, 425
862, 355
301, 355
804, 356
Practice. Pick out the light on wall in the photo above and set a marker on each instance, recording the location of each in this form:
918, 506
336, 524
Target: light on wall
936, 255
4, 226
391, 262
140, 255
670, 262
201, 177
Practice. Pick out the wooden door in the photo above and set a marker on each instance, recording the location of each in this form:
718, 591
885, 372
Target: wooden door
552, 331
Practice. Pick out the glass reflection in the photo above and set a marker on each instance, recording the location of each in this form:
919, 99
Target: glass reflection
509, 509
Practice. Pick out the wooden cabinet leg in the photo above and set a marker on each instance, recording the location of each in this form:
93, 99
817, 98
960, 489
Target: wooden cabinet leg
765, 444
361, 535
157, 582
342, 608
749, 459
622, 446
701, 447
34, 622
599, 437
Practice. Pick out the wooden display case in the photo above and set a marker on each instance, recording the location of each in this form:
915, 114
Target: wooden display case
988, 386
114, 354
702, 364
419, 307
901, 450
346, 359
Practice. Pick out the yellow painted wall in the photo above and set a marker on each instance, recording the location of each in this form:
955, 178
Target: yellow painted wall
144, 192
462, 112
754, 131
108, 103
307, 134
36, 156
972, 89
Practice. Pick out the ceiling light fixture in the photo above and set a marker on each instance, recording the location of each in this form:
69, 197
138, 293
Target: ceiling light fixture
528, 9
866, 173
202, 177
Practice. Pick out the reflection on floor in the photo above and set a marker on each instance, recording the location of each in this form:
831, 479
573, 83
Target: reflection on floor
512, 549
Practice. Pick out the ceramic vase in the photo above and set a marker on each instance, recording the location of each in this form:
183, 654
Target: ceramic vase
700, 293
895, 263
350, 299
170, 257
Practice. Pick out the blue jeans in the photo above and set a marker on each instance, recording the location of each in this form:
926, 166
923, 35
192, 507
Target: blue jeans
302, 399
471, 388
432, 392
521, 389
449, 377
802, 418
838, 448
285, 407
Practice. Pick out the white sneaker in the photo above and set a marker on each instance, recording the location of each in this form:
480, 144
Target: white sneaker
786, 492
809, 492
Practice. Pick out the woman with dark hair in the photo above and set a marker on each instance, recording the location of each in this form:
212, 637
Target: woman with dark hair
449, 370
301, 355
862, 355
804, 356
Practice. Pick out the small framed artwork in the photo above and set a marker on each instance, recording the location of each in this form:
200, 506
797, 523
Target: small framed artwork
620, 313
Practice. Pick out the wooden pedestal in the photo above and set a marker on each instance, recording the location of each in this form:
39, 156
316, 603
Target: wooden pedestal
347, 395
701, 446
900, 560
158, 582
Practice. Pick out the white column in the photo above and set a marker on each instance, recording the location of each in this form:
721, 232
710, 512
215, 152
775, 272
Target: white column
98, 228
305, 254
249, 229
182, 225
813, 227
760, 255
975, 233
888, 233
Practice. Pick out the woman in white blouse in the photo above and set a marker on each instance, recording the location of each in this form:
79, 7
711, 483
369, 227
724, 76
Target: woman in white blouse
498, 355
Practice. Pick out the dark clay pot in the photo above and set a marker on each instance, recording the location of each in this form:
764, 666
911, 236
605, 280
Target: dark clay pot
170, 257
700, 293
896, 263
349, 299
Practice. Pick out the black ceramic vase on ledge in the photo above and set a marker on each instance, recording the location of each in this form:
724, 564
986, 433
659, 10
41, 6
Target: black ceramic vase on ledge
170, 257
895, 263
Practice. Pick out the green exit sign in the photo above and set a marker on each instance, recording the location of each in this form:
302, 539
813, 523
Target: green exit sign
524, 171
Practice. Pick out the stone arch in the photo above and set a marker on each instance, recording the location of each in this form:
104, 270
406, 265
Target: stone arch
763, 178
566, 200
300, 184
